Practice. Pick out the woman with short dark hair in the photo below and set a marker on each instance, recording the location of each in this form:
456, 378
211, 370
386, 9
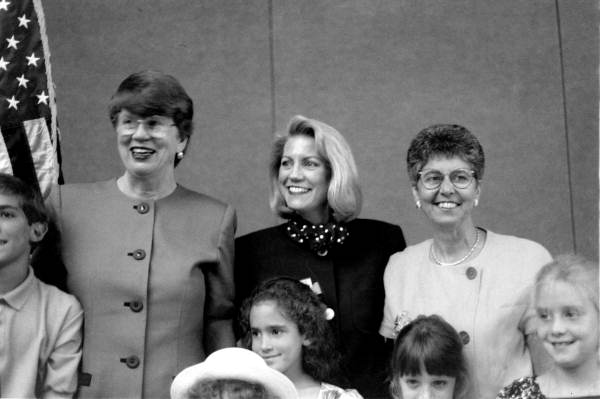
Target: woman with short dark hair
150, 261
477, 280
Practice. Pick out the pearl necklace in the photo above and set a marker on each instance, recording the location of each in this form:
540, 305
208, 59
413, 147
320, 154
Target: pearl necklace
461, 260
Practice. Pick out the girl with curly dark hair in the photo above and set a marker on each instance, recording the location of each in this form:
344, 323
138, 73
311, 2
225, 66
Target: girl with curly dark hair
286, 323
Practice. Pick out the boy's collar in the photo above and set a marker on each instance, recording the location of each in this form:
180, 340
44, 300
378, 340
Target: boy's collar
17, 298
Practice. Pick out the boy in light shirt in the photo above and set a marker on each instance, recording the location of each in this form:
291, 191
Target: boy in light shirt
40, 325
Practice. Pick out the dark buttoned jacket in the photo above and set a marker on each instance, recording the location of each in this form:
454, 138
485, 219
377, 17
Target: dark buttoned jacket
351, 278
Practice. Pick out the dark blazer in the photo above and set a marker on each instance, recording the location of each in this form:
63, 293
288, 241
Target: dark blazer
351, 277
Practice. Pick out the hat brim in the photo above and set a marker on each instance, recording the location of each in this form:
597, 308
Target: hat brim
235, 364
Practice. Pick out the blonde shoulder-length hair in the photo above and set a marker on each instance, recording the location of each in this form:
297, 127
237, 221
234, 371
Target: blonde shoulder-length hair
344, 196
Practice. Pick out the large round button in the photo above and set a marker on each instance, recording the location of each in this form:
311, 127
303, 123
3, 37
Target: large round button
142, 208
138, 254
464, 337
131, 361
471, 272
135, 306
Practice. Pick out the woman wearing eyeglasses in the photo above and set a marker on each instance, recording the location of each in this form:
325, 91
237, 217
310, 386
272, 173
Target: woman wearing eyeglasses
475, 279
150, 261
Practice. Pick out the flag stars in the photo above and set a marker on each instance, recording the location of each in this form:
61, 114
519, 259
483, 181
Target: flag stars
42, 98
22, 81
12, 42
32, 59
3, 63
4, 5
23, 21
12, 102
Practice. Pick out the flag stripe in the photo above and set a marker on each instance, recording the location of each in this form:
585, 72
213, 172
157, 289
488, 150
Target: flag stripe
39, 12
19, 152
42, 153
27, 97
5, 164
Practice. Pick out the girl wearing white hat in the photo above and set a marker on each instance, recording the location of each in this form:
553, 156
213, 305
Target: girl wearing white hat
232, 373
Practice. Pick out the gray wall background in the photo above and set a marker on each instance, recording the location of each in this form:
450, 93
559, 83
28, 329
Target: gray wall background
520, 74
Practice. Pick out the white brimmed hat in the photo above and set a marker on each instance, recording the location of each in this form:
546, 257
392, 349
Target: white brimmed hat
237, 364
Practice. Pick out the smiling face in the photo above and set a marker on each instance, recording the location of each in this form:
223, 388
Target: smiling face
568, 324
447, 205
426, 386
303, 179
276, 338
149, 149
16, 234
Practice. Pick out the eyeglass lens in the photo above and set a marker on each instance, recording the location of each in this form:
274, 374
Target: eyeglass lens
151, 124
460, 178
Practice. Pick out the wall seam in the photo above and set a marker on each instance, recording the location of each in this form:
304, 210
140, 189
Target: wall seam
272, 68
566, 123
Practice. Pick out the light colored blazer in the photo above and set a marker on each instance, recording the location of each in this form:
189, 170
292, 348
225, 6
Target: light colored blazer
155, 279
486, 299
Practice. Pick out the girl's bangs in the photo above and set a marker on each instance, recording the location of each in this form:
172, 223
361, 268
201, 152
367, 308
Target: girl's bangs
435, 361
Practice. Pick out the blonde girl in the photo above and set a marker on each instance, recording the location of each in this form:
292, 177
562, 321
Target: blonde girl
566, 302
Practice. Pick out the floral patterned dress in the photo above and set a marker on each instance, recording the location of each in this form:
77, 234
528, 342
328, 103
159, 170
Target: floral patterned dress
528, 388
523, 388
329, 391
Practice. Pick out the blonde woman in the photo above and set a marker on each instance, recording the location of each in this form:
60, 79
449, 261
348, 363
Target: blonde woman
315, 189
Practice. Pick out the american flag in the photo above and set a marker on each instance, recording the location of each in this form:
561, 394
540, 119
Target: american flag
29, 141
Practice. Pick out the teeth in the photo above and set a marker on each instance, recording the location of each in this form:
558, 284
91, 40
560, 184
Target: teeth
297, 190
447, 205
141, 151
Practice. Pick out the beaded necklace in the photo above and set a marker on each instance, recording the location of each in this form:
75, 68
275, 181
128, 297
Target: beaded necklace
461, 260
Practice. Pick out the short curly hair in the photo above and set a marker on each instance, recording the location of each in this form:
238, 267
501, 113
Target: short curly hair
299, 304
447, 141
431, 342
227, 389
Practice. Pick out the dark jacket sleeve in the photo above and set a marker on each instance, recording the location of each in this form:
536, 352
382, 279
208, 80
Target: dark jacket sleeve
396, 239
241, 272
219, 306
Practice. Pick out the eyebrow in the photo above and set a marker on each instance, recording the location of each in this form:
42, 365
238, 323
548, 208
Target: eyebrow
562, 307
315, 157
280, 326
453, 170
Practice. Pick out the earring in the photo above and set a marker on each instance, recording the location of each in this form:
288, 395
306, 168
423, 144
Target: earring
179, 155
418, 204
476, 202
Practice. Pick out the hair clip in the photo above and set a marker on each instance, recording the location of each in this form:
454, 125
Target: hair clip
329, 314
316, 288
